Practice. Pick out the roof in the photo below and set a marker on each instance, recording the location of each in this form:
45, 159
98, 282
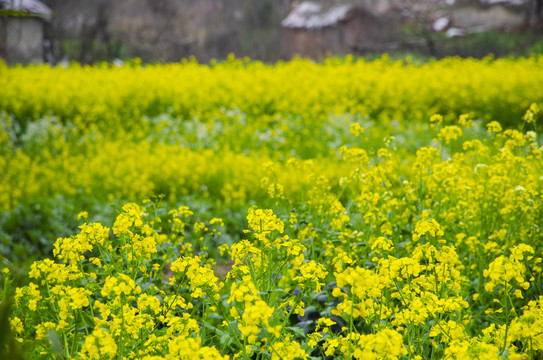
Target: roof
311, 15
503, 2
29, 7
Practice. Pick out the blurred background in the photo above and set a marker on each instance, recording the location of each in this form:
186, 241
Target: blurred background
89, 31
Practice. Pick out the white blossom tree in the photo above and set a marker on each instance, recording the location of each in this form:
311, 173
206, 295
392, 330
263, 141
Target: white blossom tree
420, 15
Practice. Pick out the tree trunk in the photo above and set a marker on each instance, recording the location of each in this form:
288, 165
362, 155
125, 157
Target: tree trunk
539, 14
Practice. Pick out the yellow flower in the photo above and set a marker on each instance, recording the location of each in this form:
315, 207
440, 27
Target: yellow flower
472, 349
31, 292
509, 270
494, 127
132, 215
255, 316
16, 325
287, 349
528, 327
429, 226
312, 272
43, 328
354, 155
381, 244
465, 121
356, 129
385, 344
121, 284
436, 119
263, 223
449, 134
531, 114
99, 344
201, 279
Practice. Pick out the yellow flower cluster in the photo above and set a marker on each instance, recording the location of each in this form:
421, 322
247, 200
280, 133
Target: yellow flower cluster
152, 135
99, 345
98, 305
108, 96
528, 327
263, 223
379, 221
472, 349
202, 280
312, 272
502, 271
429, 226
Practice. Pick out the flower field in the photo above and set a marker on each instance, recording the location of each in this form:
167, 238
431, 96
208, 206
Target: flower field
238, 210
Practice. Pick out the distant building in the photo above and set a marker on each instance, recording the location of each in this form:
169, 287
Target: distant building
483, 15
469, 16
315, 31
22, 27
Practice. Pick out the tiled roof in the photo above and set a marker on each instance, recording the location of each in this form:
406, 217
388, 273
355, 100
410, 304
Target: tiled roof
33, 7
311, 15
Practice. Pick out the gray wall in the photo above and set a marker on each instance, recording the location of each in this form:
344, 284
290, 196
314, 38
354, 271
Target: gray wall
21, 39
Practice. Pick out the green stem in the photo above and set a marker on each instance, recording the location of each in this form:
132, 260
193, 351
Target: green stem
121, 345
506, 321
221, 310
74, 340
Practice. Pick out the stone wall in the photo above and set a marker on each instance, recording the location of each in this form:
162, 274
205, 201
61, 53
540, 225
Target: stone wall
472, 15
21, 39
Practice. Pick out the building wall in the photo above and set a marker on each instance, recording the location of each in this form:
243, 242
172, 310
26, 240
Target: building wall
359, 34
362, 33
167, 30
21, 39
297, 42
475, 16
333, 41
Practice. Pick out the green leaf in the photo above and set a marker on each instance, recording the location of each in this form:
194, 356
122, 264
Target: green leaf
9, 348
296, 331
55, 343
